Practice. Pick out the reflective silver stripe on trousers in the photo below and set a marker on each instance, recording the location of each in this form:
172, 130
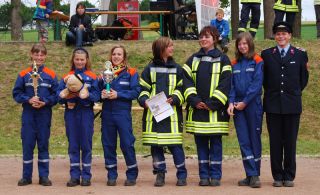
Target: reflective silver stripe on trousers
86, 165
75, 164
159, 163
132, 166
111, 166
27, 161
203, 161
248, 157
215, 162
257, 159
43, 160
181, 165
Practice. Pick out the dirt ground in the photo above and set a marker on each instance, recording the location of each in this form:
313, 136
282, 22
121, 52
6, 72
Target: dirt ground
307, 179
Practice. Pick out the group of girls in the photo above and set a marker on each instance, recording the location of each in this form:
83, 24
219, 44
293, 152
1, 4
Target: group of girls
207, 111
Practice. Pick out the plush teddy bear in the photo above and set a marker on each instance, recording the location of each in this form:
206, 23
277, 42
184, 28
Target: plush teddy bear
74, 87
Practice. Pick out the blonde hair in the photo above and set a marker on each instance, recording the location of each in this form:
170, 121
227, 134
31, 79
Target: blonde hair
80, 51
219, 11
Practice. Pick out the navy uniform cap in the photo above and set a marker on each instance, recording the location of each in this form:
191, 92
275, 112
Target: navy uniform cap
282, 27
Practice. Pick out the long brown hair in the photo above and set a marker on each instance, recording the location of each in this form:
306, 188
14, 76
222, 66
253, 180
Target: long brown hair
125, 55
248, 38
80, 50
159, 46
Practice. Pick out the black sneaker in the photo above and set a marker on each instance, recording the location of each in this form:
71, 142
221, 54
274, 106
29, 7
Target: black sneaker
181, 182
24, 182
255, 182
215, 182
160, 180
85, 182
277, 183
204, 182
45, 181
288, 183
130, 182
73, 182
244, 182
111, 182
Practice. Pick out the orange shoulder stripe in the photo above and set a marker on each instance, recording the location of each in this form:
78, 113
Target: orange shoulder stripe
25, 71
233, 62
49, 72
69, 73
257, 58
132, 71
90, 74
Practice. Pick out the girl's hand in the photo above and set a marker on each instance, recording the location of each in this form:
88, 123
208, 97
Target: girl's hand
240, 106
170, 100
230, 109
104, 94
112, 95
201, 106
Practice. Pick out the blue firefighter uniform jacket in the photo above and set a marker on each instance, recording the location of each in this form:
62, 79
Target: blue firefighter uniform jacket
36, 122
246, 86
116, 119
207, 78
79, 125
159, 76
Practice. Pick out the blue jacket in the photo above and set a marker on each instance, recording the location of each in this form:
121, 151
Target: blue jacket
222, 26
91, 80
247, 78
43, 7
127, 86
47, 89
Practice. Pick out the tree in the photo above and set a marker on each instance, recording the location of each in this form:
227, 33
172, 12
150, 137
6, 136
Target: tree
5, 16
268, 18
16, 21
297, 22
234, 18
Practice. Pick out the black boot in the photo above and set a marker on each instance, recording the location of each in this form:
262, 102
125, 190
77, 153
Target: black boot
181, 182
45, 181
73, 182
255, 182
85, 182
204, 182
244, 182
24, 182
160, 180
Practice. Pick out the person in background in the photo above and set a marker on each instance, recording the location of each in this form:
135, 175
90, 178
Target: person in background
223, 27
287, 8
116, 116
248, 6
317, 11
163, 74
285, 76
79, 118
37, 103
207, 82
246, 107
41, 16
80, 30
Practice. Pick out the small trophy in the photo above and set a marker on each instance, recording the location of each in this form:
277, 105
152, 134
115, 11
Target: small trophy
35, 76
108, 75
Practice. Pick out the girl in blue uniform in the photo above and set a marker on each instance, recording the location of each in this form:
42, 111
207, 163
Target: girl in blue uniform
245, 106
79, 119
36, 114
116, 116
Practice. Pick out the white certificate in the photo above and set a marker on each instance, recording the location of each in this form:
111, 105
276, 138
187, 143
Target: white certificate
159, 106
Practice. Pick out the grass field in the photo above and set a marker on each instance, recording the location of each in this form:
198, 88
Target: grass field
15, 57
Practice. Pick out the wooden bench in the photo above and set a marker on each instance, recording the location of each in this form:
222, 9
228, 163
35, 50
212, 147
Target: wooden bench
129, 28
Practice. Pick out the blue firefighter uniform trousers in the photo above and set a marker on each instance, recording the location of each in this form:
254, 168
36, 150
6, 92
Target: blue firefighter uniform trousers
79, 126
35, 130
113, 123
159, 163
248, 124
209, 148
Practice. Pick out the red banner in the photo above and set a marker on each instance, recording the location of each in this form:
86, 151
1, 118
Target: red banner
133, 18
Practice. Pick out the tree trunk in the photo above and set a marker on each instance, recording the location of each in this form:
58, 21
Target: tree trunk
16, 21
268, 18
297, 22
234, 18
112, 7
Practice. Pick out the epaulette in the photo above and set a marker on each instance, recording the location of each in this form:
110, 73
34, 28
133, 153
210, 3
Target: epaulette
233, 62
131, 71
301, 49
25, 71
257, 59
50, 72
69, 73
90, 74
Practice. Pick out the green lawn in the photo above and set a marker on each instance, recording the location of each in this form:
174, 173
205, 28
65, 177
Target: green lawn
15, 57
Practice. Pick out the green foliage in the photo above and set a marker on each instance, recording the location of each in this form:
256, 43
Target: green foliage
145, 6
5, 13
224, 3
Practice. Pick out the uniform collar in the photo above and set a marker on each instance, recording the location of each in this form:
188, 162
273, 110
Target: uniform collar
212, 53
